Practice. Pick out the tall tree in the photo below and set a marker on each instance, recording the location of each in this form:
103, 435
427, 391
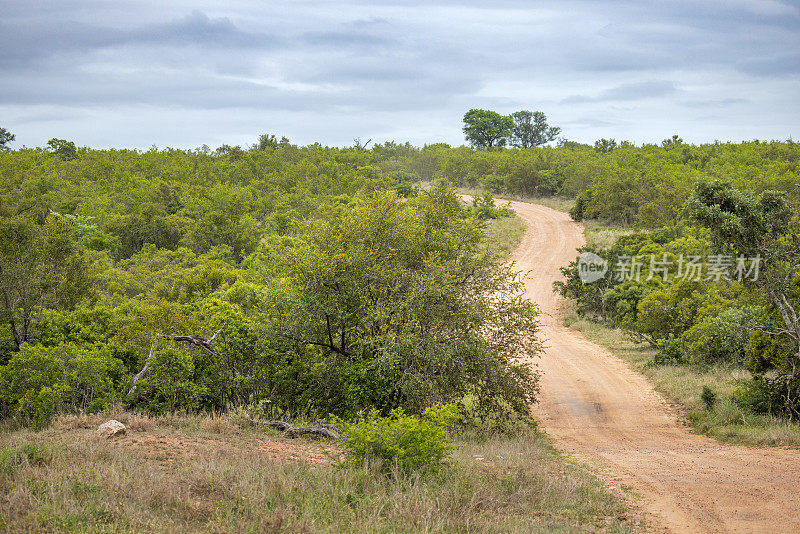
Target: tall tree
604, 146
530, 128
66, 150
408, 308
6, 137
484, 128
41, 267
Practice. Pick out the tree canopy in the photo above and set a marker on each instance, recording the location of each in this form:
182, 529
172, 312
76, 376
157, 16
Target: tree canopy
531, 129
487, 129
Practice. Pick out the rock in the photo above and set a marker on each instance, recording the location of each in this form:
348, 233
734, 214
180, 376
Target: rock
111, 428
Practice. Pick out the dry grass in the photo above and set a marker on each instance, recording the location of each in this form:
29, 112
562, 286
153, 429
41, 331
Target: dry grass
503, 235
203, 474
555, 202
602, 235
683, 384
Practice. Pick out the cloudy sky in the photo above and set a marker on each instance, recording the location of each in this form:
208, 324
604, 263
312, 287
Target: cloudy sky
182, 74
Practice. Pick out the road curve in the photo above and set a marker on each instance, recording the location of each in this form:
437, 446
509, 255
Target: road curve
594, 405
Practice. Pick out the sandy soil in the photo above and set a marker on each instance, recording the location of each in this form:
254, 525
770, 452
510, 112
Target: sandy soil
596, 407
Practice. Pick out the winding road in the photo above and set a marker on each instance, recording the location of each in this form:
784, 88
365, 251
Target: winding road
594, 406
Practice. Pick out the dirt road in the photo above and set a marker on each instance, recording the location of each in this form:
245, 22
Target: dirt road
592, 404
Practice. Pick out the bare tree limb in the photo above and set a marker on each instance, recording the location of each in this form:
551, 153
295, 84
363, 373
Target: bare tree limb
194, 339
143, 373
317, 430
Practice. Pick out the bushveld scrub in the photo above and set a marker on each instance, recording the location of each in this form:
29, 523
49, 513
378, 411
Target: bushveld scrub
377, 303
730, 317
177, 473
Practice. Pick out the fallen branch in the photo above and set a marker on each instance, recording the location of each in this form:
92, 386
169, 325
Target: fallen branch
318, 430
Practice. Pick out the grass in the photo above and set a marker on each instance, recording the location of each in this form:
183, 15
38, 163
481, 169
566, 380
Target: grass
602, 235
503, 235
555, 202
206, 474
683, 385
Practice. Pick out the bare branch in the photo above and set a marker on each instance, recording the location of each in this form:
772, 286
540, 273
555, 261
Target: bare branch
319, 430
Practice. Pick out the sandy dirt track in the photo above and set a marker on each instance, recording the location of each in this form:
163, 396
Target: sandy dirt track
595, 406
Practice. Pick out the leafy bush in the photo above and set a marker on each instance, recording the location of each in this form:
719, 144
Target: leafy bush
670, 352
30, 454
410, 442
719, 337
708, 397
174, 382
38, 381
483, 206
771, 395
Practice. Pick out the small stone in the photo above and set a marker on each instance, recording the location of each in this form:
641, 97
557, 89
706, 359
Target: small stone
111, 428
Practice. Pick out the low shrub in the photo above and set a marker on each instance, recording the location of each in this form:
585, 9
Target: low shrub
771, 395
709, 398
670, 352
411, 443
28, 454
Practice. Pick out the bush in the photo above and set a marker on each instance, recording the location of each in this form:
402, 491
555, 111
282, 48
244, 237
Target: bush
709, 398
28, 454
39, 381
484, 208
670, 352
720, 337
410, 442
174, 382
772, 396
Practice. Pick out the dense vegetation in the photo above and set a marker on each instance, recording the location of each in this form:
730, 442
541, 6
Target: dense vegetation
335, 283
286, 279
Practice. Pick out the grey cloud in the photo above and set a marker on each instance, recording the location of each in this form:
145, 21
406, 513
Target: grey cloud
339, 39
627, 92
41, 39
398, 66
589, 121
716, 103
772, 66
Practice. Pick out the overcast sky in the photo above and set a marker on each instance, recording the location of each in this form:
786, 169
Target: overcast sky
182, 74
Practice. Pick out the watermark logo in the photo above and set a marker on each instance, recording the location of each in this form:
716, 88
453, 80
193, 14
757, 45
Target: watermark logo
591, 267
714, 268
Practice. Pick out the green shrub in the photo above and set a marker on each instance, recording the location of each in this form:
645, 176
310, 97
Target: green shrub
37, 407
174, 382
720, 337
670, 352
484, 208
709, 398
775, 396
39, 381
28, 454
410, 442
35, 454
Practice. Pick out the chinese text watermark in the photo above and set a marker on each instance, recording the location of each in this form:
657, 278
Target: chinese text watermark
714, 268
